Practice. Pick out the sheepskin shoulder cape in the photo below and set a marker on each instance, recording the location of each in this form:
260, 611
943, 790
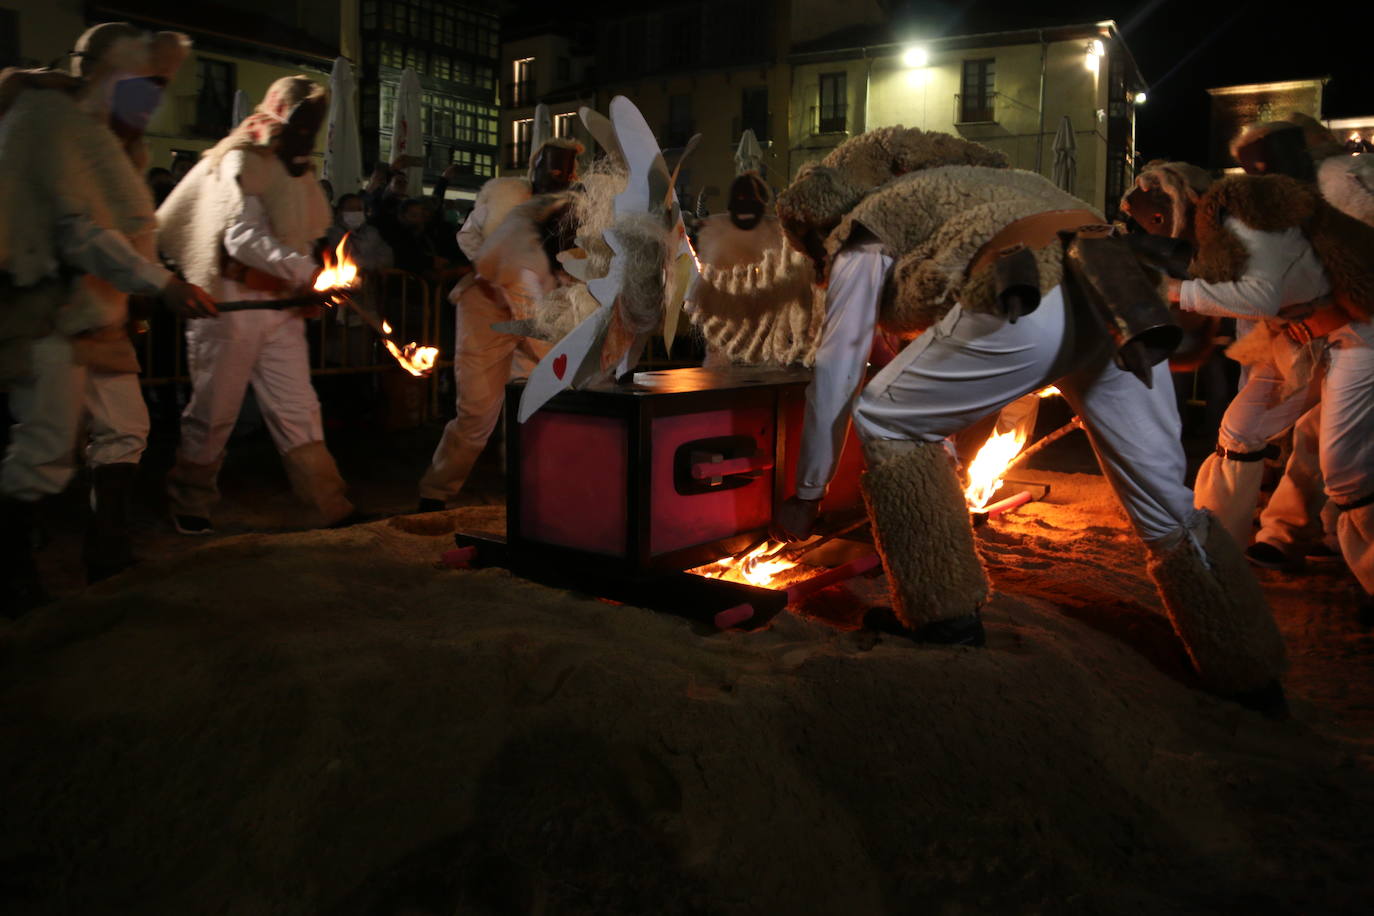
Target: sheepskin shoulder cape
500, 196
194, 217
56, 162
754, 300
513, 256
1273, 203
933, 222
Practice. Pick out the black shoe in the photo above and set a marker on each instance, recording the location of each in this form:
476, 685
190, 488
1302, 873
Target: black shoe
193, 525
958, 631
107, 550
1266, 556
1269, 700
1322, 555
431, 505
22, 586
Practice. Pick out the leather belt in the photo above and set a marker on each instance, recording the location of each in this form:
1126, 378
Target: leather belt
1034, 231
1324, 320
1270, 452
252, 278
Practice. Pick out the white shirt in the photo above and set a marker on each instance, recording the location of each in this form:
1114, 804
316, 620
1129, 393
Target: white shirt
1283, 270
851, 317
249, 240
109, 256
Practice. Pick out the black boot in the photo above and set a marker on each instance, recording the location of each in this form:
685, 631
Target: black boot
22, 587
107, 549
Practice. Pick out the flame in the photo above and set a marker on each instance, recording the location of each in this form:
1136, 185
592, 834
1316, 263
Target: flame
1355, 136
1050, 392
985, 471
339, 271
760, 566
415, 359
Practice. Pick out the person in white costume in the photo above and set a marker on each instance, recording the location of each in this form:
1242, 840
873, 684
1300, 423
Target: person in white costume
509, 274
911, 229
243, 224
1272, 250
76, 238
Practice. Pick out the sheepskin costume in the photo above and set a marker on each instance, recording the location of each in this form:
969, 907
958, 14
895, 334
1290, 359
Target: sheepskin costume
1181, 182
512, 257
1218, 610
57, 158
194, 217
1274, 203
922, 530
935, 221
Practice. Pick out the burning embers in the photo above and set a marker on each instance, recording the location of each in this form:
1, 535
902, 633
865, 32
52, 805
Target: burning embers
769, 565
338, 278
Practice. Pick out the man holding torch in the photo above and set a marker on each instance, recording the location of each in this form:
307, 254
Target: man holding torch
243, 224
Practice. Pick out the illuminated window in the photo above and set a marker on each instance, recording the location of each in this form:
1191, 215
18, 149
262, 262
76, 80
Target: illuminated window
976, 92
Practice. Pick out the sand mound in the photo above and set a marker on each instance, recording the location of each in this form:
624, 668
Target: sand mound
328, 722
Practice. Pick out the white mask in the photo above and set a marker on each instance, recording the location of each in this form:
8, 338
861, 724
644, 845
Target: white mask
353, 218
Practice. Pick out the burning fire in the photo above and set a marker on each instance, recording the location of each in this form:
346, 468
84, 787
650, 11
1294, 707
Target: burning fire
986, 468
761, 566
1050, 392
341, 273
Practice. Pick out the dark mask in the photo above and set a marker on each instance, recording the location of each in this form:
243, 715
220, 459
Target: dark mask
553, 169
132, 105
297, 139
1152, 211
748, 201
1279, 152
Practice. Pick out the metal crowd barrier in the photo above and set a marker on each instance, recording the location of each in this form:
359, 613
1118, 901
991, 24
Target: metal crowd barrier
341, 343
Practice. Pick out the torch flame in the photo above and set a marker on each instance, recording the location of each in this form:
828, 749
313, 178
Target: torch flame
986, 469
1050, 392
415, 359
339, 271
760, 566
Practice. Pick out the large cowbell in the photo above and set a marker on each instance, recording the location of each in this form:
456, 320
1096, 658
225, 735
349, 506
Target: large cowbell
1103, 271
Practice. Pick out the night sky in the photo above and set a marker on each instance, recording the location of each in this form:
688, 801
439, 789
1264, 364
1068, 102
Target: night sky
1184, 47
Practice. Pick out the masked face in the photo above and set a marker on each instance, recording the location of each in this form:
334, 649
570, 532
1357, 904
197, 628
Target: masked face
554, 169
747, 203
297, 138
1152, 210
133, 100
353, 219
1280, 152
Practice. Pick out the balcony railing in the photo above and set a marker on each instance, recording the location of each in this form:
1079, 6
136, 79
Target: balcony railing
829, 119
975, 109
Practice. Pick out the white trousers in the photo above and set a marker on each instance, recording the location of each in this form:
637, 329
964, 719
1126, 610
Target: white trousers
48, 408
1345, 433
484, 360
262, 348
1299, 516
970, 365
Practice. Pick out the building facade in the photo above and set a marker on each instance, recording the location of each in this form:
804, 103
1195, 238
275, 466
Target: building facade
1236, 107
806, 76
454, 48
1008, 90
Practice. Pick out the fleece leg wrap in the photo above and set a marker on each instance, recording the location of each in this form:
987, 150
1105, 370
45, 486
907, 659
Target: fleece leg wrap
922, 529
1229, 488
1219, 611
316, 481
193, 489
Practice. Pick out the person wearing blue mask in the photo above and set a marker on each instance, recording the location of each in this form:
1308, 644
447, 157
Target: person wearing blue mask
76, 239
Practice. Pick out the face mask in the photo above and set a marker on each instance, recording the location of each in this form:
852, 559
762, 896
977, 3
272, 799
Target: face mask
554, 167
747, 202
132, 103
353, 218
297, 139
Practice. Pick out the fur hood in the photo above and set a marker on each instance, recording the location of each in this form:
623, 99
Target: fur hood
1181, 182
1273, 203
934, 222
1347, 183
822, 193
194, 217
